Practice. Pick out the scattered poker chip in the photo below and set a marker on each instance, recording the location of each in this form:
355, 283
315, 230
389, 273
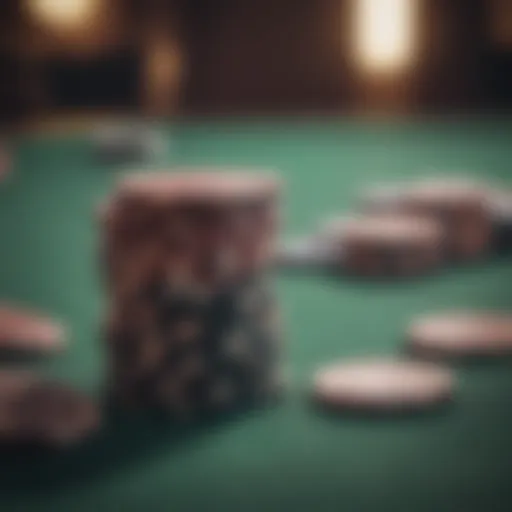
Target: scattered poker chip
383, 386
386, 244
129, 142
305, 252
462, 334
27, 331
35, 411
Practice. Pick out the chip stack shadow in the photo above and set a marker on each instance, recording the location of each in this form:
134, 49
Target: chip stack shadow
192, 326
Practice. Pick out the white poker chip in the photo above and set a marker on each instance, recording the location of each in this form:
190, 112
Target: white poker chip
382, 385
129, 141
306, 252
462, 333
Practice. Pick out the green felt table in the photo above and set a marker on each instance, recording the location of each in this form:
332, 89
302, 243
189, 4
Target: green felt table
289, 457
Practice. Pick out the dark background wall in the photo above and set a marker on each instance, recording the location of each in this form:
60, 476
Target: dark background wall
266, 55
294, 54
251, 56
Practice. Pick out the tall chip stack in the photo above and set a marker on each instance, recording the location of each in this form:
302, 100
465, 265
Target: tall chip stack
192, 328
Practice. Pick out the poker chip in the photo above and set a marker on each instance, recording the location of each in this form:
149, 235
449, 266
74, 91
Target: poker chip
35, 411
305, 252
383, 386
27, 331
385, 245
462, 333
128, 142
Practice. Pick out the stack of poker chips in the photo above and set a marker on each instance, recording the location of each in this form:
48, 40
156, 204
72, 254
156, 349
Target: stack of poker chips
384, 245
192, 326
459, 206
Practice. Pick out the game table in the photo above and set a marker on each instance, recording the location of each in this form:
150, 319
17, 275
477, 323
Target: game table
291, 456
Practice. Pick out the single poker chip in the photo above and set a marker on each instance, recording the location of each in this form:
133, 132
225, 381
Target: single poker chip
27, 331
383, 386
386, 244
40, 412
305, 252
462, 334
196, 185
128, 142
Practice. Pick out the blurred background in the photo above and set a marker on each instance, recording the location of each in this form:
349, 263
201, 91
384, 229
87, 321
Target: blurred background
76, 58
75, 62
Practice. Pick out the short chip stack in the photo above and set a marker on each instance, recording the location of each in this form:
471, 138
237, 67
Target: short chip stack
459, 205
193, 327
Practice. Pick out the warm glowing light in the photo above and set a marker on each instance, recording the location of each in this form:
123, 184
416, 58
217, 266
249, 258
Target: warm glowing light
163, 74
163, 63
385, 34
63, 13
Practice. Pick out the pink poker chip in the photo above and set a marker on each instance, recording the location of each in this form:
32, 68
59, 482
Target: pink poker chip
462, 333
383, 385
28, 331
